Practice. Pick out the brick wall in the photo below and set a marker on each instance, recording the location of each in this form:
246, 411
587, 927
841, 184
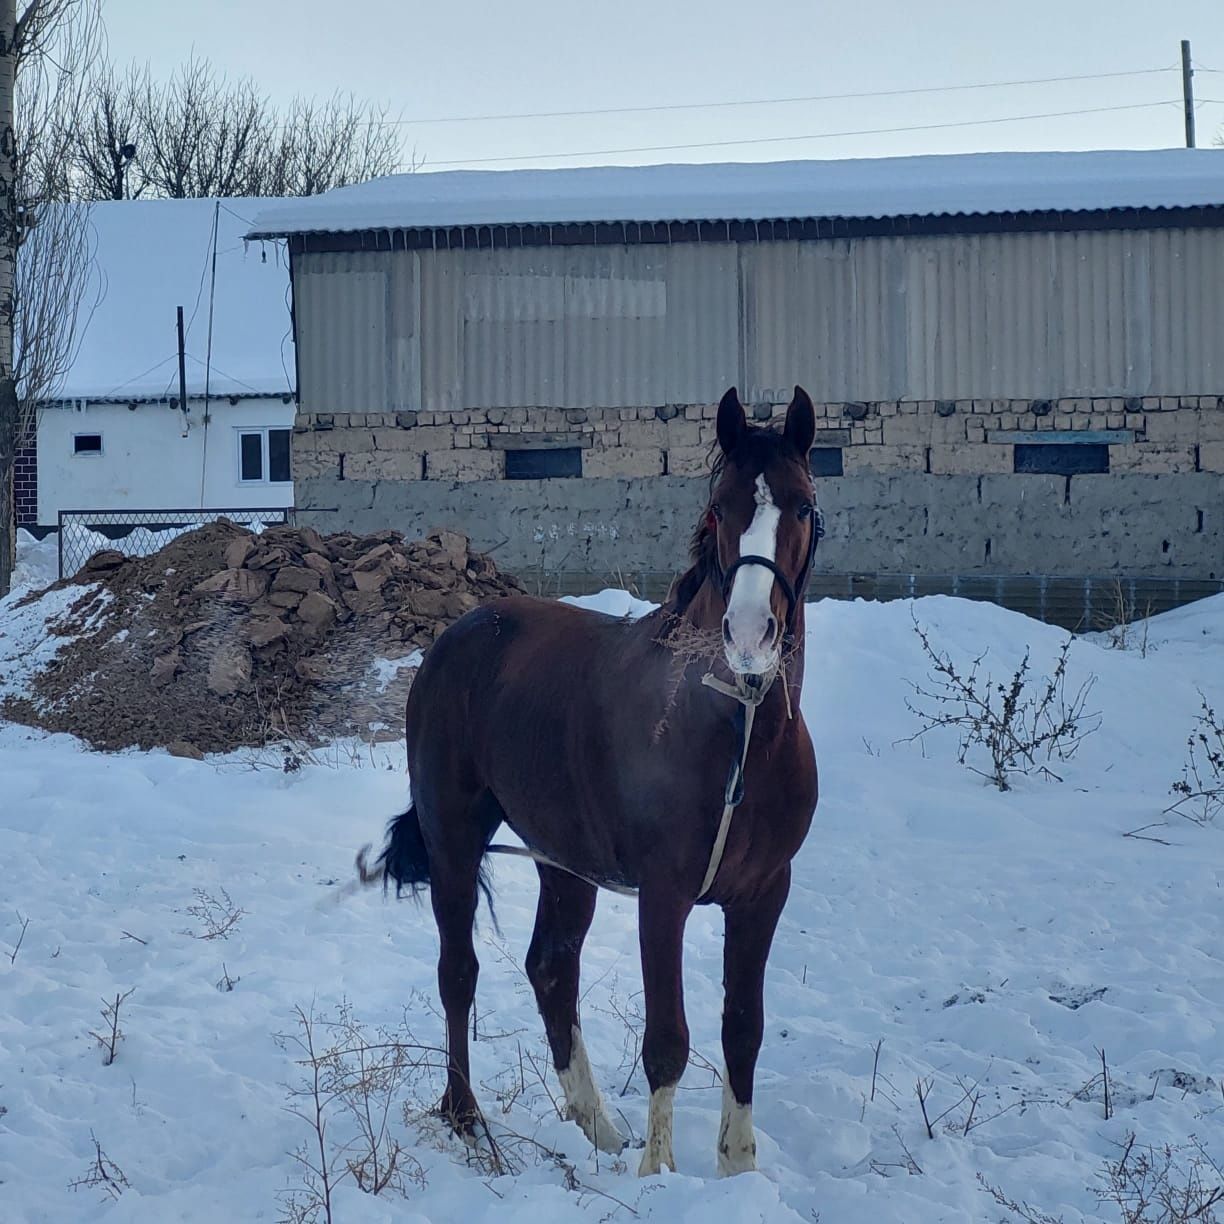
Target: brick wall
925, 488
26, 486
1151, 435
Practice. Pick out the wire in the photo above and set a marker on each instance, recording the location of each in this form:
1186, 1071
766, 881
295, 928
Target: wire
212, 298
760, 140
237, 215
838, 97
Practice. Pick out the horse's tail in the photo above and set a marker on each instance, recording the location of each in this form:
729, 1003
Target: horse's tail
405, 859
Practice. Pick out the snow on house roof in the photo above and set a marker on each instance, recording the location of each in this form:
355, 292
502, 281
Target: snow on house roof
152, 256
956, 184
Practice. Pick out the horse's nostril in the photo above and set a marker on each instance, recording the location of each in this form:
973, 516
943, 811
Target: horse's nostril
771, 631
727, 630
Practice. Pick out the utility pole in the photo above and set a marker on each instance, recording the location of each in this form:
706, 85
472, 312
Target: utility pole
182, 356
9, 413
1188, 92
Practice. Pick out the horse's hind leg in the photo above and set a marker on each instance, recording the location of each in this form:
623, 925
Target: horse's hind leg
749, 933
563, 917
455, 852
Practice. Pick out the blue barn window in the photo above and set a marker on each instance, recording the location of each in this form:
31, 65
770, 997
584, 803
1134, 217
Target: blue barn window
543, 464
825, 460
1061, 458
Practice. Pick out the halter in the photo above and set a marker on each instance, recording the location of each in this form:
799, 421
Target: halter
792, 593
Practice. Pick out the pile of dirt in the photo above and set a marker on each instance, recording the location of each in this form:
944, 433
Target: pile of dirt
226, 639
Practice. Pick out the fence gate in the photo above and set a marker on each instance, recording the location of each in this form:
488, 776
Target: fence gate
140, 533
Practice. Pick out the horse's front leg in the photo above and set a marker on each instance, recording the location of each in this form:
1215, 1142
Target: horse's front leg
665, 1046
749, 933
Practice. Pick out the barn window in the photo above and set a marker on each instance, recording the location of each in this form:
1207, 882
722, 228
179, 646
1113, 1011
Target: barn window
1061, 458
86, 444
263, 456
543, 464
825, 460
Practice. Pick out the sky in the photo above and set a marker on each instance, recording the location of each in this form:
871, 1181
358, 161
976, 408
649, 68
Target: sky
434, 65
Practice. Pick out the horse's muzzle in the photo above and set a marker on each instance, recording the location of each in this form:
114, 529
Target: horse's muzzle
751, 644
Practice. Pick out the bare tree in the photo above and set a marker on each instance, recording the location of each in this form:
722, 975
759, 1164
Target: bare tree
55, 291
201, 134
46, 50
198, 133
105, 149
8, 267
318, 146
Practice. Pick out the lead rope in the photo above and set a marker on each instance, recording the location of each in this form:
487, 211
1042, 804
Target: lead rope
749, 698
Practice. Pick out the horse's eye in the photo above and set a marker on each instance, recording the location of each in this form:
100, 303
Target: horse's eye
716, 511
805, 511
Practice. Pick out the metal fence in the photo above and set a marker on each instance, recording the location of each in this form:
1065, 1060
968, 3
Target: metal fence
1081, 604
139, 533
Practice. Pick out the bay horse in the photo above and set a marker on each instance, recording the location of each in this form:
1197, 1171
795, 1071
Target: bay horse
602, 743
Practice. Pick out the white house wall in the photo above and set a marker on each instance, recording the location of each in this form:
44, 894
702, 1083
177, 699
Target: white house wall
1040, 315
148, 461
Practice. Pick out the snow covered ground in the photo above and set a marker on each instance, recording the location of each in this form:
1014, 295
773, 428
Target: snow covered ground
983, 938
37, 561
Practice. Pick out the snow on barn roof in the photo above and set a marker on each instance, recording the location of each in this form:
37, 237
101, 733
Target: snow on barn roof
152, 256
955, 184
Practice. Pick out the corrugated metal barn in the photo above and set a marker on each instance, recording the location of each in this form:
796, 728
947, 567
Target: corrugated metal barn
1049, 324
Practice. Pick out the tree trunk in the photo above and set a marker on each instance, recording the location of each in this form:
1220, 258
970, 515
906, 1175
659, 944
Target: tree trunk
9, 413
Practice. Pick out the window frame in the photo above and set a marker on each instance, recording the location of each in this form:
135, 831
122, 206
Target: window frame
826, 452
91, 452
1079, 459
263, 433
567, 451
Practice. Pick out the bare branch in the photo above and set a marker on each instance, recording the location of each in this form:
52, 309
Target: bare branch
112, 1034
1200, 790
25, 922
103, 1172
1022, 725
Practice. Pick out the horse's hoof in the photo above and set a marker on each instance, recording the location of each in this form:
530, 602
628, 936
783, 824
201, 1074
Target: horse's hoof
655, 1160
463, 1117
602, 1133
736, 1138
732, 1163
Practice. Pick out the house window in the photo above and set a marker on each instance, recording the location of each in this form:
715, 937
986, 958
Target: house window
263, 456
543, 464
86, 444
825, 460
1060, 458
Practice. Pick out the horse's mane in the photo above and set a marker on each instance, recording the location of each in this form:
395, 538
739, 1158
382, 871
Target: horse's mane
761, 444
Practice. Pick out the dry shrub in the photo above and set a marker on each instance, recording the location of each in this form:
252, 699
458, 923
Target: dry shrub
1023, 725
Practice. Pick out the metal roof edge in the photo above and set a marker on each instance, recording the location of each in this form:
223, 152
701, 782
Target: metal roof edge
70, 401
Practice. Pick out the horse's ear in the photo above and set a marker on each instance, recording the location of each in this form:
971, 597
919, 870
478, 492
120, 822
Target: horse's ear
732, 423
800, 430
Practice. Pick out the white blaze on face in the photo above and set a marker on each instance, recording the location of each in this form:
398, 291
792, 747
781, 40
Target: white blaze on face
750, 632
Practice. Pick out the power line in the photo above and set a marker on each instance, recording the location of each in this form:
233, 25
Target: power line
759, 140
212, 300
838, 97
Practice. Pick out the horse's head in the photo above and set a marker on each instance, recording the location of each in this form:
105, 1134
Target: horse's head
764, 523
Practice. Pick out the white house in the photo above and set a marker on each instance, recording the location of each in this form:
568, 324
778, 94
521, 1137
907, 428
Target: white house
116, 439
